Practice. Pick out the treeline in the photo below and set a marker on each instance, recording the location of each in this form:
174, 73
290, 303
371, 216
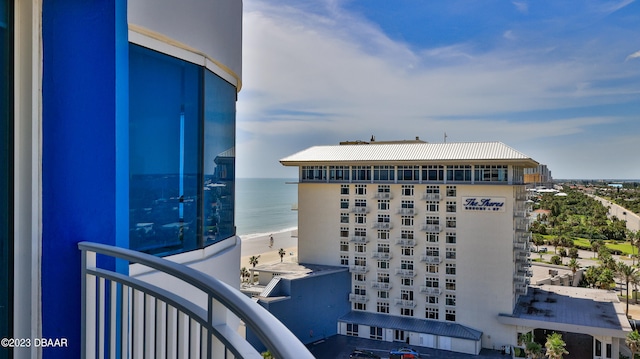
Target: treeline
576, 215
628, 196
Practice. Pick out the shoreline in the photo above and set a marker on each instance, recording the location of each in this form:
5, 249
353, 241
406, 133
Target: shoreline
258, 245
256, 236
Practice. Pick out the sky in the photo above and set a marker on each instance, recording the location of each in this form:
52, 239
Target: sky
558, 80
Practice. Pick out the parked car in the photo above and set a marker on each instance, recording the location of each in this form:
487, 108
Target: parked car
403, 353
358, 353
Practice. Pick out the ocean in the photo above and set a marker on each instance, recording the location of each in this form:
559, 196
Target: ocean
264, 205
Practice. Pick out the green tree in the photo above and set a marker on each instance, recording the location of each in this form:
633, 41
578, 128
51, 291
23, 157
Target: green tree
253, 260
281, 253
574, 266
573, 253
626, 273
556, 259
555, 346
633, 342
244, 274
606, 279
533, 350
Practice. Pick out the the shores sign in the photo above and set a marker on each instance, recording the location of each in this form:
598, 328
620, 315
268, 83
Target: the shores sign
492, 204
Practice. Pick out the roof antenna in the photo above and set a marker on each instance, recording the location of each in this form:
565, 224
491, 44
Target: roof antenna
445, 137
373, 138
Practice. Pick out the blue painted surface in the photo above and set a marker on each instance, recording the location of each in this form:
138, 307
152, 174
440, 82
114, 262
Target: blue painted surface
312, 308
84, 121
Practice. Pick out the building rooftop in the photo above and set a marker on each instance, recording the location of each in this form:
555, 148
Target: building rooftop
411, 152
447, 329
594, 311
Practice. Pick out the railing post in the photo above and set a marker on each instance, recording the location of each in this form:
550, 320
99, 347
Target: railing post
88, 300
217, 315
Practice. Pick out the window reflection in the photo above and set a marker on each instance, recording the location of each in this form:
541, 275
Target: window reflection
182, 154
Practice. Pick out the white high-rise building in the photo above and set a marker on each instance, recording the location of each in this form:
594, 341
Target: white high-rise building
434, 235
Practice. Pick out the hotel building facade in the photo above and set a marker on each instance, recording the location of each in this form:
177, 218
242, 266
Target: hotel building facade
434, 234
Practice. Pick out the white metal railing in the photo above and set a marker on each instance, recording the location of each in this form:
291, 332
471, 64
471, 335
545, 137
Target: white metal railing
359, 239
381, 285
358, 209
358, 298
126, 317
382, 225
406, 211
429, 290
381, 255
358, 269
383, 195
432, 228
431, 196
406, 242
405, 303
405, 273
430, 259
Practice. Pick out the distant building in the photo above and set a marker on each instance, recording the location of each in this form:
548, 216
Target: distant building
539, 176
415, 224
436, 239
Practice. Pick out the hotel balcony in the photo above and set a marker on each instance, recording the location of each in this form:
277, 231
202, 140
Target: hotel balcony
129, 317
404, 303
520, 214
523, 255
383, 195
358, 209
406, 242
382, 255
358, 269
407, 211
381, 285
358, 298
431, 228
359, 239
521, 246
431, 196
382, 225
405, 273
430, 259
430, 290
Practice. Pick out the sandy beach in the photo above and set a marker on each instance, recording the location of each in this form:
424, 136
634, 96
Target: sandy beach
253, 245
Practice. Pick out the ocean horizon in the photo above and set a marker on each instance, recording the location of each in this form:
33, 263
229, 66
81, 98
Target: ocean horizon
264, 206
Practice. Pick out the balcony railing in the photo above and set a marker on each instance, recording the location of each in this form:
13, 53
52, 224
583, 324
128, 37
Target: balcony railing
358, 298
406, 242
405, 303
432, 228
430, 259
358, 269
383, 195
381, 285
358, 209
431, 196
359, 239
406, 211
381, 255
429, 290
405, 273
382, 225
123, 316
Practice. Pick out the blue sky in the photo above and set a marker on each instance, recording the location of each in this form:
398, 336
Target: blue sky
556, 80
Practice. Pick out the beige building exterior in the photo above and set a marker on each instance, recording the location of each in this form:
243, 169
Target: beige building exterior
433, 232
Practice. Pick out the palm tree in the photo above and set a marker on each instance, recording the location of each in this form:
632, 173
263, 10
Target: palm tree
253, 260
634, 239
626, 273
555, 346
244, 273
633, 342
533, 350
574, 266
281, 253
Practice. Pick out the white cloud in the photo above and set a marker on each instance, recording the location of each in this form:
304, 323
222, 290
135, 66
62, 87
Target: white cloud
521, 6
318, 77
509, 35
635, 55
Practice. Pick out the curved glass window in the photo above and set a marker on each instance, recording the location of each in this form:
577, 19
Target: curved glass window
6, 174
181, 154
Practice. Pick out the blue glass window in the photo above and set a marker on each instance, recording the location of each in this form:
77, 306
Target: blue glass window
6, 174
181, 154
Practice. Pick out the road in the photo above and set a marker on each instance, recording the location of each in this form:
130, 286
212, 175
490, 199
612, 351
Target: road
633, 220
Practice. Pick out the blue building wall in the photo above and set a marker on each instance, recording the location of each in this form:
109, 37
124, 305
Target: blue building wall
84, 165
312, 308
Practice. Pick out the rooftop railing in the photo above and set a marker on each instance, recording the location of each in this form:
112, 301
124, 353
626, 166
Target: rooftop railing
126, 317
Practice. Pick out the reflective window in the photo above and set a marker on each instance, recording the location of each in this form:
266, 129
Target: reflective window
6, 160
181, 154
